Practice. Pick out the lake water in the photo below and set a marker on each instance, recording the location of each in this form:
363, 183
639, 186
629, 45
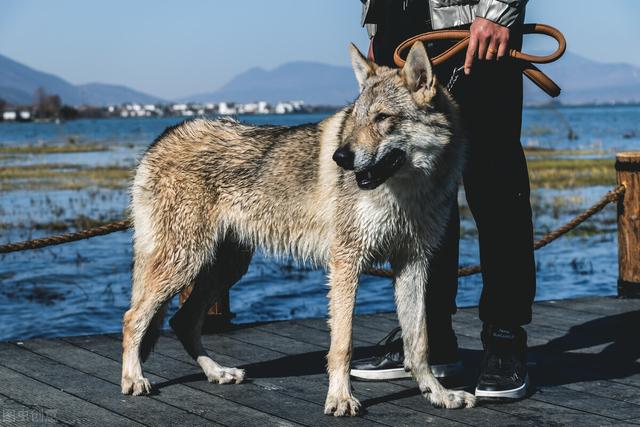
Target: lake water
83, 288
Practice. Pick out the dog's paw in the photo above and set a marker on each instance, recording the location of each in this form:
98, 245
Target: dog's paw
137, 387
342, 407
226, 375
451, 399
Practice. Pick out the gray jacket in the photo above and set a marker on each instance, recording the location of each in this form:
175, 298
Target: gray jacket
452, 13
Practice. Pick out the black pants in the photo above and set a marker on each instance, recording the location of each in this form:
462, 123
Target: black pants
496, 179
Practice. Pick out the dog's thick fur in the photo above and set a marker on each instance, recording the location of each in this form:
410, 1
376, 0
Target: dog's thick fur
207, 193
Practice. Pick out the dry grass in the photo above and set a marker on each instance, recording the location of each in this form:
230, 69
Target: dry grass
546, 171
53, 149
569, 173
63, 177
533, 152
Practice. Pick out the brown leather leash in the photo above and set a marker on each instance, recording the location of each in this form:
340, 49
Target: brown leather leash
526, 60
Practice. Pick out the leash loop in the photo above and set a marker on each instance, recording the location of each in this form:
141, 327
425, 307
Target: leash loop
527, 60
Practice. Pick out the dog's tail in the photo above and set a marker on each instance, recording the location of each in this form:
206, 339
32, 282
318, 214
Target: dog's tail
153, 333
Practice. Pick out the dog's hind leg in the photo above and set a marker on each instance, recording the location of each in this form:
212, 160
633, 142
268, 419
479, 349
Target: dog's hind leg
410, 287
157, 283
230, 264
160, 271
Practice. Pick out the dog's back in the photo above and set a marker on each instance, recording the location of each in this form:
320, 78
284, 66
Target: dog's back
274, 187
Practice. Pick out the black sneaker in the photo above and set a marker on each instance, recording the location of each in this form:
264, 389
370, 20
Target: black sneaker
389, 364
503, 373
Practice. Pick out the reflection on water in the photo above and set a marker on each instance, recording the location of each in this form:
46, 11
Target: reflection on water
83, 287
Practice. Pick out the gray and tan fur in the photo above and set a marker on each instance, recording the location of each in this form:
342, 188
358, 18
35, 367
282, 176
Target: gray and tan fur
207, 193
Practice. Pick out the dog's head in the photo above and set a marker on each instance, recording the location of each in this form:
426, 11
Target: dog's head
399, 123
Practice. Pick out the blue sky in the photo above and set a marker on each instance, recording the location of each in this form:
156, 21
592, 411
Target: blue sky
176, 48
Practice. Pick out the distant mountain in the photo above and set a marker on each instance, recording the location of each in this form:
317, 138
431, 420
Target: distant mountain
312, 82
18, 83
106, 94
584, 81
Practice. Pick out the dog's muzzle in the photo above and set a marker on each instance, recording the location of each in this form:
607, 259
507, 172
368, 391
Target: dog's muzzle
374, 176
344, 157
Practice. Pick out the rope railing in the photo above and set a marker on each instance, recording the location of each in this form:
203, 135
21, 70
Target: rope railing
612, 196
60, 239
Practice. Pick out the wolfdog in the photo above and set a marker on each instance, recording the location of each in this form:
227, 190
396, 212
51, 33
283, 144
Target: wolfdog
373, 183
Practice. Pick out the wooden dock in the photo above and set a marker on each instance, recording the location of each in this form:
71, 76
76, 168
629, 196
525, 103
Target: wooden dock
584, 362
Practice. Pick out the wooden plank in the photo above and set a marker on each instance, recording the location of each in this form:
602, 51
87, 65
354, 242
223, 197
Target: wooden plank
16, 414
95, 390
557, 383
264, 396
597, 305
588, 402
60, 405
184, 402
600, 390
545, 414
299, 332
526, 410
302, 378
400, 396
5, 346
586, 368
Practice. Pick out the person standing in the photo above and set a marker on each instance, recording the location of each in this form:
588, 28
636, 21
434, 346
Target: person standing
496, 185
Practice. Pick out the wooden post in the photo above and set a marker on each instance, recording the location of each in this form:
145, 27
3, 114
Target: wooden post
628, 171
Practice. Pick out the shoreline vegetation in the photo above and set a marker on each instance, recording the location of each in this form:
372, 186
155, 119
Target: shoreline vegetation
548, 168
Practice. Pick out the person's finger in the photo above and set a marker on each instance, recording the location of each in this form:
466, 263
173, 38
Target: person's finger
483, 44
492, 50
502, 49
471, 54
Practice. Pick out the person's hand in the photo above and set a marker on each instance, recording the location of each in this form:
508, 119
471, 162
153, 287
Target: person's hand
488, 41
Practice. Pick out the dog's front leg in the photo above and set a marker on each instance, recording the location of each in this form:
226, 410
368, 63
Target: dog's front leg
410, 288
343, 280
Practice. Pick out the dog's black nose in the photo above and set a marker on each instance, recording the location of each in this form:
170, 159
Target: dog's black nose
344, 157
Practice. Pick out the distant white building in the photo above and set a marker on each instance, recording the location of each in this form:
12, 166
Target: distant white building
250, 108
263, 107
9, 115
283, 108
25, 115
179, 107
225, 109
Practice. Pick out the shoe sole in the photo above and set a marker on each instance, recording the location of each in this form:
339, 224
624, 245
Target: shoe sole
516, 393
439, 371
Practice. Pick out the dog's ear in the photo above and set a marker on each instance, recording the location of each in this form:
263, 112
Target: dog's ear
418, 74
362, 67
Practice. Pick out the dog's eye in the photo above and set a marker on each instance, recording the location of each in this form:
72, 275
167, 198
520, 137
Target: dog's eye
381, 117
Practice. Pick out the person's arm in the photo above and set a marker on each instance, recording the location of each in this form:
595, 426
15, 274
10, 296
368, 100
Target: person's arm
503, 12
490, 29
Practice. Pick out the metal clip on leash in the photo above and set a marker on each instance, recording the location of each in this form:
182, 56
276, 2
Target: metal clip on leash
455, 75
526, 61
